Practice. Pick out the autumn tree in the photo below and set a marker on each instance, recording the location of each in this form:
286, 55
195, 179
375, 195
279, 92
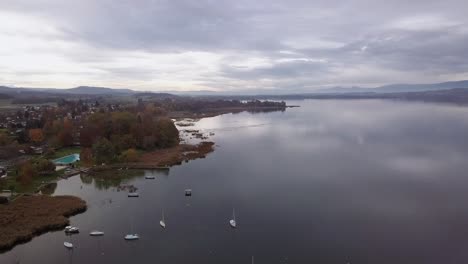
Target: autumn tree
26, 173
166, 133
130, 155
103, 151
65, 136
87, 136
44, 166
36, 135
86, 156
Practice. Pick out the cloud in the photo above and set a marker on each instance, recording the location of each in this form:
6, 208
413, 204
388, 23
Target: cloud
231, 45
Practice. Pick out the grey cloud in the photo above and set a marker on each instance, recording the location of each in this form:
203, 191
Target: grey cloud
382, 35
291, 69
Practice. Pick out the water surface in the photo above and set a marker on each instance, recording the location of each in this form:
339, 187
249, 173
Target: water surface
334, 181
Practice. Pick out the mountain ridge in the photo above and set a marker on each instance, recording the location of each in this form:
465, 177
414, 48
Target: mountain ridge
96, 90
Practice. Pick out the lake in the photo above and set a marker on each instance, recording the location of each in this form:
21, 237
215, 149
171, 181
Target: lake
332, 181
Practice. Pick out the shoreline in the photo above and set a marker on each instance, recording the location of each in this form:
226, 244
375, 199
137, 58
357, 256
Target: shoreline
212, 112
66, 206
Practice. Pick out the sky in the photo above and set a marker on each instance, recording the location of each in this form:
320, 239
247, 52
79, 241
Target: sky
231, 46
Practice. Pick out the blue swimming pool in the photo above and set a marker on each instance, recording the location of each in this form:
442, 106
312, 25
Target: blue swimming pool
67, 159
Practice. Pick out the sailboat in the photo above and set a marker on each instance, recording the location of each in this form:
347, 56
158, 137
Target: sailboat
131, 236
68, 245
96, 233
133, 194
162, 223
232, 222
72, 230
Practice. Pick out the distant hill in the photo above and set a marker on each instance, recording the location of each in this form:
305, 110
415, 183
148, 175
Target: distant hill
93, 90
81, 90
421, 87
396, 88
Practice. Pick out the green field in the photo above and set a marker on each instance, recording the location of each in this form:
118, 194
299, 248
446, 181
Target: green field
17, 187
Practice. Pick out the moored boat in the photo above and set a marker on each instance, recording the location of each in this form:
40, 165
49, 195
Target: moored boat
233, 222
162, 223
72, 230
68, 245
96, 233
131, 237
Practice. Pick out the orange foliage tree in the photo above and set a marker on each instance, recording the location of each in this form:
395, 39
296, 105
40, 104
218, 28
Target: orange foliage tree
86, 156
26, 173
36, 135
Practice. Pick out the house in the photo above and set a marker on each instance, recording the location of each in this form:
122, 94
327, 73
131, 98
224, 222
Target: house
37, 150
3, 172
5, 196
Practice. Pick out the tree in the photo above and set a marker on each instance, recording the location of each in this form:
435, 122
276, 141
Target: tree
45, 166
65, 136
4, 139
26, 173
36, 135
86, 156
166, 133
123, 142
103, 151
130, 155
87, 136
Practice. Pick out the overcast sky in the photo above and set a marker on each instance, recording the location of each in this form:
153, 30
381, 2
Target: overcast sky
235, 45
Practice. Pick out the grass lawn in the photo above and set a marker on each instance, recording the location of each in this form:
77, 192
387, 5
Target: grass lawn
15, 186
64, 152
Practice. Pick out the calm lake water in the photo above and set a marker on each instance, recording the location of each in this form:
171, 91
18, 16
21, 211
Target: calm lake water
365, 181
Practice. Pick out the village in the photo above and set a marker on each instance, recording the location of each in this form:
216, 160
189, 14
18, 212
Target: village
36, 142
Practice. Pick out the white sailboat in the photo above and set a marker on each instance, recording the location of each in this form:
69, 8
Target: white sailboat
72, 230
131, 236
133, 194
96, 233
232, 222
68, 245
162, 223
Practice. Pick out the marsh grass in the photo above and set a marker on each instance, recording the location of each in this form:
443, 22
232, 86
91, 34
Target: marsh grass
29, 216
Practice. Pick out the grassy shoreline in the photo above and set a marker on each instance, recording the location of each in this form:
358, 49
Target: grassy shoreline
29, 216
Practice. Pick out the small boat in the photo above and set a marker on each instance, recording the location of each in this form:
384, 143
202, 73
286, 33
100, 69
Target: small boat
96, 233
72, 230
150, 177
68, 245
162, 223
188, 192
232, 222
131, 237
133, 194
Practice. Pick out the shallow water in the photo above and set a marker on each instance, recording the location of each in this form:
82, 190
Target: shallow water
358, 181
